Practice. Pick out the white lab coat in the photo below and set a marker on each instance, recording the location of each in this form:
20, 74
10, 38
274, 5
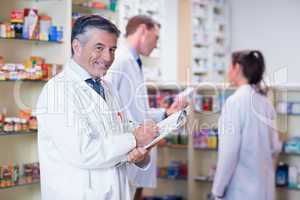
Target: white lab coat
128, 80
82, 141
248, 142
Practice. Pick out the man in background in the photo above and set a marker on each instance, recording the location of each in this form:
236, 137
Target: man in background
126, 75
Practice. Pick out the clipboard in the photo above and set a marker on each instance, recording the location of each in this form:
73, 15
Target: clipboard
168, 125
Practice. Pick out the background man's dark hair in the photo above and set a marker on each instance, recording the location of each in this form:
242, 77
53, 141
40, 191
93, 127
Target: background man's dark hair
134, 22
83, 23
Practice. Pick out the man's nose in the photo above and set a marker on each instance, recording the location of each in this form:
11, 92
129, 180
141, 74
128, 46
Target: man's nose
106, 55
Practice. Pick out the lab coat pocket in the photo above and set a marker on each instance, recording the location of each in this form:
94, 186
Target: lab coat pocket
92, 194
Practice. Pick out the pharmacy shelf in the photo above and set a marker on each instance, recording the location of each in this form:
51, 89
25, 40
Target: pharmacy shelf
25, 80
104, 10
205, 149
289, 188
42, 0
153, 85
32, 40
288, 114
206, 179
207, 112
199, 72
2, 133
57, 52
289, 154
174, 146
203, 179
201, 45
286, 87
173, 179
35, 182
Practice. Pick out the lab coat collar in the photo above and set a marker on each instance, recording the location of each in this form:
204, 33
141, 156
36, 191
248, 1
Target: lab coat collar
126, 51
81, 73
77, 75
244, 87
130, 51
133, 52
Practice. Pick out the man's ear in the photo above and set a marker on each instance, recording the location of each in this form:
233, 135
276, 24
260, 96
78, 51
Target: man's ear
76, 46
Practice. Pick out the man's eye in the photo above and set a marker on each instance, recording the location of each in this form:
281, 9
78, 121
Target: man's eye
112, 50
99, 48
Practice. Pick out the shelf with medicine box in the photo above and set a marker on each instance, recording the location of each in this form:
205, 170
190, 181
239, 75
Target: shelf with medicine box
206, 149
172, 173
288, 108
35, 182
164, 197
18, 133
287, 103
26, 80
204, 179
209, 180
172, 151
210, 37
40, 1
175, 170
160, 97
13, 175
42, 30
172, 179
32, 40
29, 24
92, 7
33, 69
165, 86
175, 140
107, 10
291, 146
203, 137
100, 5
26, 122
173, 146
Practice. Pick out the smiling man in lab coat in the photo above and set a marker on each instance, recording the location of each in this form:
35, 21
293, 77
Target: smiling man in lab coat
127, 77
85, 144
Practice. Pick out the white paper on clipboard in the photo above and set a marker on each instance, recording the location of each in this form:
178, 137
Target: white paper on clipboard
168, 125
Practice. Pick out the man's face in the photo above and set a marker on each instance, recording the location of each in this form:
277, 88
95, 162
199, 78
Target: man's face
97, 53
149, 40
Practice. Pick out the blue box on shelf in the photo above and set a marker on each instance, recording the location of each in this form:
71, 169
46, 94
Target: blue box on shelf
295, 108
53, 34
292, 145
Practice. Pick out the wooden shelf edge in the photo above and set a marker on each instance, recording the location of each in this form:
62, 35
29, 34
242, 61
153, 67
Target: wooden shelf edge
21, 185
33, 40
2, 133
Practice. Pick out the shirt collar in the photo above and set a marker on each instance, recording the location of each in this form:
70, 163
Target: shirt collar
79, 70
134, 53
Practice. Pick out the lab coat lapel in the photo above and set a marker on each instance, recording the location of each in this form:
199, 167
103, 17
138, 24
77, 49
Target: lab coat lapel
97, 108
108, 109
139, 77
116, 120
125, 52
